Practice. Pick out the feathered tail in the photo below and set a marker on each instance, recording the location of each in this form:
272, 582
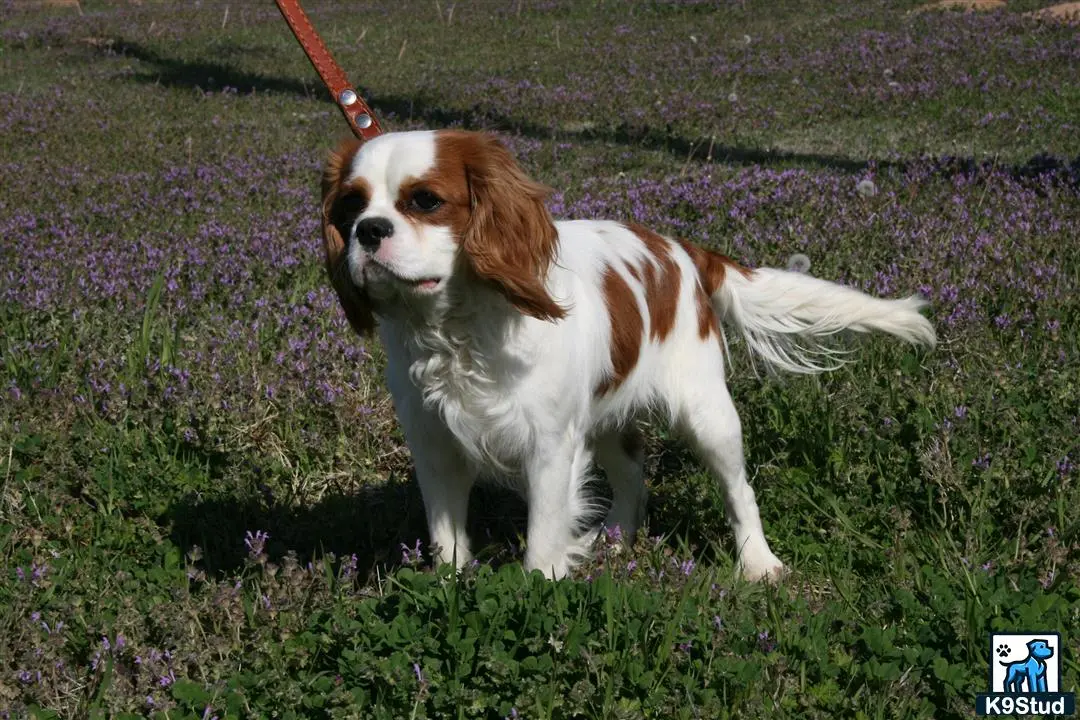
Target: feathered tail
784, 316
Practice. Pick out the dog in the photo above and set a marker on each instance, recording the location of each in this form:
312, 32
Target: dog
526, 348
1031, 669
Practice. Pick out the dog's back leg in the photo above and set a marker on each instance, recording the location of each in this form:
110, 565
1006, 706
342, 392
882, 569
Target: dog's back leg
704, 412
621, 454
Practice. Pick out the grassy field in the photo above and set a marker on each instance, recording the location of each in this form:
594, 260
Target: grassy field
206, 507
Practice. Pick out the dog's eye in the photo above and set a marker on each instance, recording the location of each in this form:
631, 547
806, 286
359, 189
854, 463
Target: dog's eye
351, 205
426, 201
345, 211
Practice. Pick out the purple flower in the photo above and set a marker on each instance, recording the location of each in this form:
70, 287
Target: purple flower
348, 568
37, 572
256, 543
413, 555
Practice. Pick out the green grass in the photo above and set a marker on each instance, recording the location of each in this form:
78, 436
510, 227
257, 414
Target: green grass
175, 373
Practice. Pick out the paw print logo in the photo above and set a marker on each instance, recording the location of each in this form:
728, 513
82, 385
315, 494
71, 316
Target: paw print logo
1003, 650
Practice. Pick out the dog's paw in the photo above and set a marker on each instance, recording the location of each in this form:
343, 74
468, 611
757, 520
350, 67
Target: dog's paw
762, 567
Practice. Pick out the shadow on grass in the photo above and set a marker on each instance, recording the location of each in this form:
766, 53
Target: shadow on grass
210, 75
206, 75
373, 523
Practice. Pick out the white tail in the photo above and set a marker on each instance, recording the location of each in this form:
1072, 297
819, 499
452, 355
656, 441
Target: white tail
784, 315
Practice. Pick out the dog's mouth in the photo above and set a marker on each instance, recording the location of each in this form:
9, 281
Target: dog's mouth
421, 285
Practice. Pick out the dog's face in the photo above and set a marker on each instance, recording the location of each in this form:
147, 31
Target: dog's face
408, 215
1040, 649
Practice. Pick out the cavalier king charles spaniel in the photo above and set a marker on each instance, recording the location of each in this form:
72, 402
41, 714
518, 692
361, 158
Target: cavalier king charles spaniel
526, 348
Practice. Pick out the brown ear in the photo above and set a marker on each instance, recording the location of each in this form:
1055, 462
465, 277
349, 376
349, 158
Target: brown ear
510, 239
353, 300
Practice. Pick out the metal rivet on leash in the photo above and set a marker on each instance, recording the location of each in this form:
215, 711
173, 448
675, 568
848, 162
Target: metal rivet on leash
362, 120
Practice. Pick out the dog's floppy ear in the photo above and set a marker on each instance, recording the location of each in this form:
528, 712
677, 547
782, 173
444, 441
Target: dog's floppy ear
353, 300
510, 239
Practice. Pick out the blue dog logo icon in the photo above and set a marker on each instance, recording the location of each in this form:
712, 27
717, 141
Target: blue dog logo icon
1030, 671
1028, 687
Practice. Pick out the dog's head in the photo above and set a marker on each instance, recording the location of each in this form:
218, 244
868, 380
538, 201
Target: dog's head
1040, 649
406, 215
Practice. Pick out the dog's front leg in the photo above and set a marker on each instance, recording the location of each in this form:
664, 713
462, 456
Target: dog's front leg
1033, 676
445, 481
442, 471
555, 473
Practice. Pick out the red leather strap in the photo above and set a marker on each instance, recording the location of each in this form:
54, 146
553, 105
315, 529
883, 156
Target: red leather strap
361, 120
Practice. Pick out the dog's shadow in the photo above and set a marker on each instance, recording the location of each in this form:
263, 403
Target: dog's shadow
377, 522
373, 523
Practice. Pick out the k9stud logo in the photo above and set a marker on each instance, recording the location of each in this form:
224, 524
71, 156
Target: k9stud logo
1025, 676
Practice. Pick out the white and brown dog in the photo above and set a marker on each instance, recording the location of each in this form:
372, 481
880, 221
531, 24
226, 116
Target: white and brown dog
526, 348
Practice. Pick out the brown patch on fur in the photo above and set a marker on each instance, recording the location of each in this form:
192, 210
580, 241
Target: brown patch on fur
449, 183
712, 267
353, 300
627, 329
661, 282
706, 316
499, 215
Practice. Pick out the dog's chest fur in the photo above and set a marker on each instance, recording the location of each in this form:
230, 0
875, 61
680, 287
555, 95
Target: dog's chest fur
465, 379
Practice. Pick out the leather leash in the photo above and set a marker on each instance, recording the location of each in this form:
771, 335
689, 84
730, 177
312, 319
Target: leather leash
361, 119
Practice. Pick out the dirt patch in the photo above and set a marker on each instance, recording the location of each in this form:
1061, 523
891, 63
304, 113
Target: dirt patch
967, 5
46, 3
1065, 12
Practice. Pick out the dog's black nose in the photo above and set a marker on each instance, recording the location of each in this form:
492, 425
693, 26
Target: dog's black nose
372, 231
